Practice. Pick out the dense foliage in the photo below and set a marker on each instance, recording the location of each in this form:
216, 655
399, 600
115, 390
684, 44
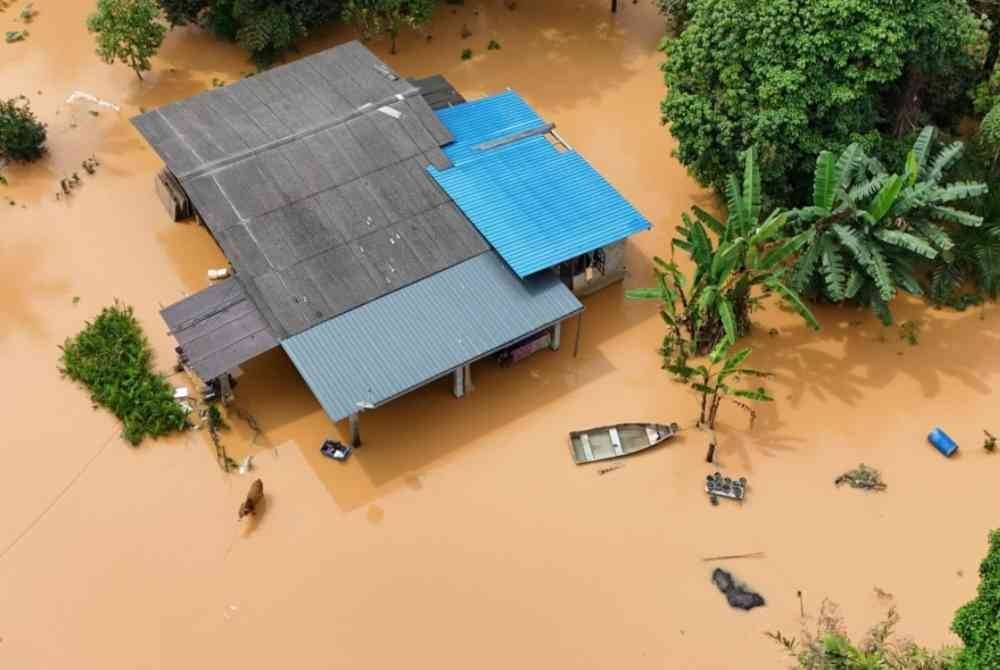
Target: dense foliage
128, 31
978, 621
867, 231
112, 358
265, 28
22, 136
730, 276
387, 17
794, 78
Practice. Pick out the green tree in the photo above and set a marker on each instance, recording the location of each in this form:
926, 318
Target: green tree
265, 28
387, 17
795, 77
128, 31
730, 276
867, 230
22, 136
978, 621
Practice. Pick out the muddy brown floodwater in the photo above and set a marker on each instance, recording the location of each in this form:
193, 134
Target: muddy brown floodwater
462, 535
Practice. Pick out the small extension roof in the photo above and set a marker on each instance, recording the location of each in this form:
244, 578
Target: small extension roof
311, 176
218, 328
537, 205
381, 350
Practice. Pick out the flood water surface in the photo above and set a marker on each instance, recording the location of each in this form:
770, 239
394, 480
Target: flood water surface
461, 534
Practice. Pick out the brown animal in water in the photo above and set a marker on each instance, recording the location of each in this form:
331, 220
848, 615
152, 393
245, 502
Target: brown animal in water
254, 497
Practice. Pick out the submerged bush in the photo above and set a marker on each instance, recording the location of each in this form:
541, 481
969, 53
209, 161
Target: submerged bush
112, 358
830, 648
978, 621
22, 136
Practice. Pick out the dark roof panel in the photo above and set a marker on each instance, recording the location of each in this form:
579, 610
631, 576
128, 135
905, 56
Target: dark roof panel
312, 178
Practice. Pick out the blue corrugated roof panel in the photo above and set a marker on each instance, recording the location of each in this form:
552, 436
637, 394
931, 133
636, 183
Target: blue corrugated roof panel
538, 206
489, 118
400, 341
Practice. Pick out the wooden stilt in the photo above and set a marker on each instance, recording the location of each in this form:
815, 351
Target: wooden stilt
579, 327
458, 382
556, 337
614, 6
355, 430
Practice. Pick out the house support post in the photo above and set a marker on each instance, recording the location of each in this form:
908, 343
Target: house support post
355, 430
556, 337
467, 378
225, 388
458, 382
579, 329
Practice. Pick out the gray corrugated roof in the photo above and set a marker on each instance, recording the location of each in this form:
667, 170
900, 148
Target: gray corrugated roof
218, 328
312, 178
438, 91
405, 339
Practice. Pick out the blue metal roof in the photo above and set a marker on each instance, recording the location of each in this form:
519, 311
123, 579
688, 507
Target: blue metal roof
407, 338
536, 205
489, 118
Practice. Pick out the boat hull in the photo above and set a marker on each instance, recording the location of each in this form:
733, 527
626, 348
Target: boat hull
622, 439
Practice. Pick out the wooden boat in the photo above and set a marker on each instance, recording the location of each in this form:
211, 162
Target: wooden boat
623, 439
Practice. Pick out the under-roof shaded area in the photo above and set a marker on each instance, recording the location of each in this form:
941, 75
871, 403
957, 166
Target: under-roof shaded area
312, 177
537, 205
401, 341
218, 328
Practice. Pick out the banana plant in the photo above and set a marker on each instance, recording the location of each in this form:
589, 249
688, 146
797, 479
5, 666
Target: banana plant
713, 382
867, 230
713, 310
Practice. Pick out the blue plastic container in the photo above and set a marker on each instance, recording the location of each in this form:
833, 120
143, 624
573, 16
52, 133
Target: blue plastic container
942, 442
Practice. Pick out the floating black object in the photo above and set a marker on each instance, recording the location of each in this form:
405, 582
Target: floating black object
338, 451
737, 595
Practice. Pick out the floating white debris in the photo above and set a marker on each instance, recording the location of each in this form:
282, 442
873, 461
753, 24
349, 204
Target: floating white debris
221, 273
246, 465
181, 392
80, 95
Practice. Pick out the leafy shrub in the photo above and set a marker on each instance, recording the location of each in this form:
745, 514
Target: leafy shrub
978, 621
112, 358
830, 648
22, 136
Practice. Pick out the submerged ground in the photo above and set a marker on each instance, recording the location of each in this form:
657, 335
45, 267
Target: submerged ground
462, 534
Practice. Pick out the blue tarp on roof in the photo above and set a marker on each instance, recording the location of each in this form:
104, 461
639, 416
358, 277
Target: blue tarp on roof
407, 338
538, 206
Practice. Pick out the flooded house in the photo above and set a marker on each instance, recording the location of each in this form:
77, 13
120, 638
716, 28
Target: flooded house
384, 233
